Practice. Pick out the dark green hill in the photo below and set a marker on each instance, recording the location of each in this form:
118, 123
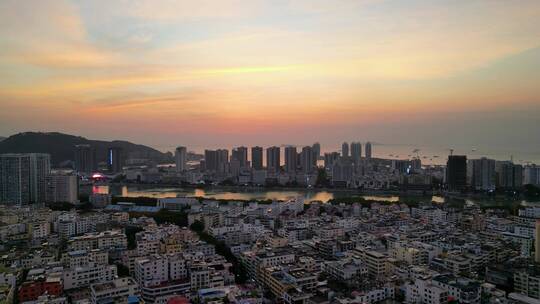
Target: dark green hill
61, 147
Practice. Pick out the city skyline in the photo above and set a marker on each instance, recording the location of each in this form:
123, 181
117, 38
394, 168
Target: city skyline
430, 154
264, 73
270, 151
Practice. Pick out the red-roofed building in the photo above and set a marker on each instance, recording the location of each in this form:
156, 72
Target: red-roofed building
30, 291
178, 300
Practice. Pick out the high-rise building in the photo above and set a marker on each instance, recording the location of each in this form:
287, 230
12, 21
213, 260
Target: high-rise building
531, 175
306, 159
456, 172
342, 172
330, 159
85, 159
356, 152
234, 167
481, 173
63, 188
257, 157
180, 158
509, 175
345, 149
241, 155
316, 151
115, 159
416, 163
537, 242
211, 160
401, 165
290, 159
23, 177
368, 150
222, 160
273, 159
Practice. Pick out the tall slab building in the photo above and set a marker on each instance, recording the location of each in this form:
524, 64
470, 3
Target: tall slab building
23, 177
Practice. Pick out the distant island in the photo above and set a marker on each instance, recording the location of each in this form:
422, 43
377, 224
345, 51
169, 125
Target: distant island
61, 146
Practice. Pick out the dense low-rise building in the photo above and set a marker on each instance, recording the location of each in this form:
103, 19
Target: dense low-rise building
108, 240
84, 276
116, 291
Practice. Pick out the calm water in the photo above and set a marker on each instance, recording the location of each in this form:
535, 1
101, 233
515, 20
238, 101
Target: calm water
262, 194
248, 194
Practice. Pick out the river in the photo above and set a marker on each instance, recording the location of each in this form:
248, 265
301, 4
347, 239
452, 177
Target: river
308, 195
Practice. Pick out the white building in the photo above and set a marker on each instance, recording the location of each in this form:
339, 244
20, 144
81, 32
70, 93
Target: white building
423, 291
481, 173
161, 277
62, 188
530, 212
39, 230
115, 291
176, 203
375, 261
432, 214
81, 258
463, 290
151, 270
68, 226
531, 175
414, 253
345, 270
180, 158
85, 276
177, 267
371, 296
527, 282
107, 240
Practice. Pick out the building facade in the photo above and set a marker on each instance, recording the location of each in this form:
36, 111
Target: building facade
23, 177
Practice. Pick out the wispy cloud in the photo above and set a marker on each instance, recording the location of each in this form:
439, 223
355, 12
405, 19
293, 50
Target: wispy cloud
216, 64
47, 33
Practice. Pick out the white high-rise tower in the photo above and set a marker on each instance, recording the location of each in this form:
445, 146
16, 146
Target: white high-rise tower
368, 150
180, 157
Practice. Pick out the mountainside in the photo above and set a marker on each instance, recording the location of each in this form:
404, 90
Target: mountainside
2, 138
61, 147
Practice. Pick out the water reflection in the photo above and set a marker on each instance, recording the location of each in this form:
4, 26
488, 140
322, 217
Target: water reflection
243, 194
100, 189
390, 199
262, 194
309, 196
438, 199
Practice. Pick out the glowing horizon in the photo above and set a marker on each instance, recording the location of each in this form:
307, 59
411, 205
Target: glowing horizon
263, 72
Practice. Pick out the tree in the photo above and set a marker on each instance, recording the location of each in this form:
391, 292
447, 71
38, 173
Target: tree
197, 226
178, 218
139, 201
223, 250
123, 271
130, 232
531, 191
84, 207
60, 206
322, 178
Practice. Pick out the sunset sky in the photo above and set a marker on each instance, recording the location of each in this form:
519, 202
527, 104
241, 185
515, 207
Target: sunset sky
228, 72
